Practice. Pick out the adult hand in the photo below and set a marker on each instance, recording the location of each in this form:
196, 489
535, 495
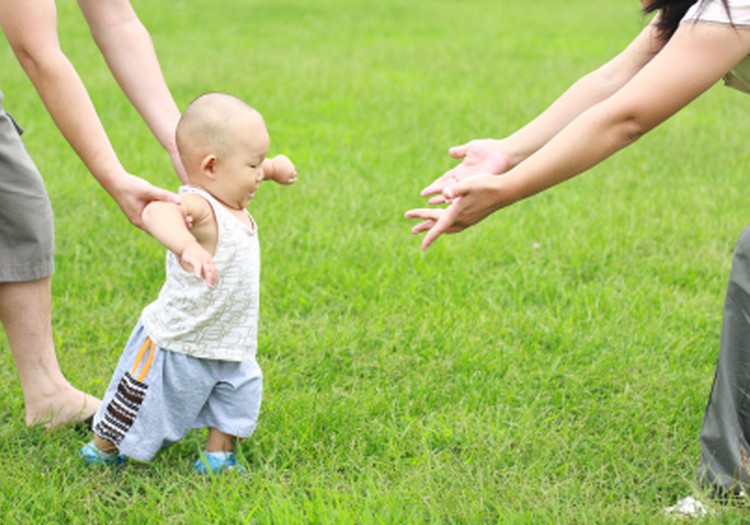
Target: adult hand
470, 201
479, 156
132, 194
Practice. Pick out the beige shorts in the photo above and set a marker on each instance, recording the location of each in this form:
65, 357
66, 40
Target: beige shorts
26, 226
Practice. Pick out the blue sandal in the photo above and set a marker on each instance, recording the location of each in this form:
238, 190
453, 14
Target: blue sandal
93, 456
211, 464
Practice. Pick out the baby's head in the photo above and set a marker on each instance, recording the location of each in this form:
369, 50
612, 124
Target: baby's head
222, 143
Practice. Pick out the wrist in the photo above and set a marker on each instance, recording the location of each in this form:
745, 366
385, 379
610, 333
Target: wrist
188, 244
512, 153
269, 169
170, 146
517, 184
112, 178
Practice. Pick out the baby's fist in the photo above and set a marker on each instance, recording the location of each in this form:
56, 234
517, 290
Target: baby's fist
282, 170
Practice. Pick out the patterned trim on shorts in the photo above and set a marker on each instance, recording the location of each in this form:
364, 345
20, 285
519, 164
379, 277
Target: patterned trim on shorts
121, 412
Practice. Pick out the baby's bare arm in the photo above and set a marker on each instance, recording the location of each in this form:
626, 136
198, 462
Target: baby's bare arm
165, 222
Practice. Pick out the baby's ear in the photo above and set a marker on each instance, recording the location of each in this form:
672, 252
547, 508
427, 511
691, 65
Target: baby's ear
208, 166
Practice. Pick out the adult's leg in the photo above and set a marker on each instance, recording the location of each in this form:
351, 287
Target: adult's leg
26, 263
48, 397
725, 452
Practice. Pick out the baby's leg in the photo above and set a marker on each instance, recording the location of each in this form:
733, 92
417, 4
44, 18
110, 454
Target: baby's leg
104, 445
233, 406
218, 441
100, 451
219, 455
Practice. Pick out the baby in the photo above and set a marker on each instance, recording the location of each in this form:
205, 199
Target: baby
190, 361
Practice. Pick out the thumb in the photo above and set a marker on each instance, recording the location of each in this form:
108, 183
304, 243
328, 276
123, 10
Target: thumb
458, 152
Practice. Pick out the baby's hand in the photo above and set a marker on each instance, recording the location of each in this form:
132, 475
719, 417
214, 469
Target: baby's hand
280, 169
197, 260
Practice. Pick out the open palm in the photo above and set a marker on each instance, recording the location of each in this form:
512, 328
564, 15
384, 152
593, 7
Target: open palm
479, 156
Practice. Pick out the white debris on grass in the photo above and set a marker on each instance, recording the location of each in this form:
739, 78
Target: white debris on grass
687, 508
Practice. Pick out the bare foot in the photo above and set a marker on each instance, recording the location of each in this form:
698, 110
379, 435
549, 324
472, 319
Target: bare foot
70, 407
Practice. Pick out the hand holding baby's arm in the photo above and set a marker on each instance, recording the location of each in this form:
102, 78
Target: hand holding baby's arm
165, 222
280, 169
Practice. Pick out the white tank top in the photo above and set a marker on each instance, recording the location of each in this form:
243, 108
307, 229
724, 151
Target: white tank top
218, 323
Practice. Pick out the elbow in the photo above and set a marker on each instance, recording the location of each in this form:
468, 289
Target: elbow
633, 128
27, 58
628, 123
630, 117
37, 60
109, 25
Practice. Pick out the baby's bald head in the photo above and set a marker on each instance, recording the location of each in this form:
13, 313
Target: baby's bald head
210, 124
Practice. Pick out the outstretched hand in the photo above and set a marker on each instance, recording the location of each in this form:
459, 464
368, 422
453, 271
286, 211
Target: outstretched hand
470, 201
133, 194
479, 156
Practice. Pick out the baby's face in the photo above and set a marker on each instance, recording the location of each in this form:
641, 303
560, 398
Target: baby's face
239, 171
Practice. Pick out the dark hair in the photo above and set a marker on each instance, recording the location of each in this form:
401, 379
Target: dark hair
671, 13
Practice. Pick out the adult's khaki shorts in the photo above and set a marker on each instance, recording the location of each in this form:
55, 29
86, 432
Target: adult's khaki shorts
26, 226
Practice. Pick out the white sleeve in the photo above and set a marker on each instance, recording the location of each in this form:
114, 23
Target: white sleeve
714, 11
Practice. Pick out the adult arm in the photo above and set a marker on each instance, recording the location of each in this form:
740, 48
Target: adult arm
31, 29
693, 60
129, 52
498, 156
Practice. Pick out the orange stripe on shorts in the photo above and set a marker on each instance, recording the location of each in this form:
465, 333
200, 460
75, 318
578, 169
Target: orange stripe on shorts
148, 347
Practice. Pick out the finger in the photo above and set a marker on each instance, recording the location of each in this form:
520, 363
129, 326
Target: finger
432, 189
444, 222
158, 194
422, 226
439, 199
209, 272
424, 213
455, 191
438, 184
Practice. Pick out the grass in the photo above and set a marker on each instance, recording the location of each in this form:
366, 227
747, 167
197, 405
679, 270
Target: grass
548, 366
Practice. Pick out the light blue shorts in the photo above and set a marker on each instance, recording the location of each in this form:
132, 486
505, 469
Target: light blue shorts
156, 396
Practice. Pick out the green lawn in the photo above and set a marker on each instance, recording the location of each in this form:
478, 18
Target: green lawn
549, 366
